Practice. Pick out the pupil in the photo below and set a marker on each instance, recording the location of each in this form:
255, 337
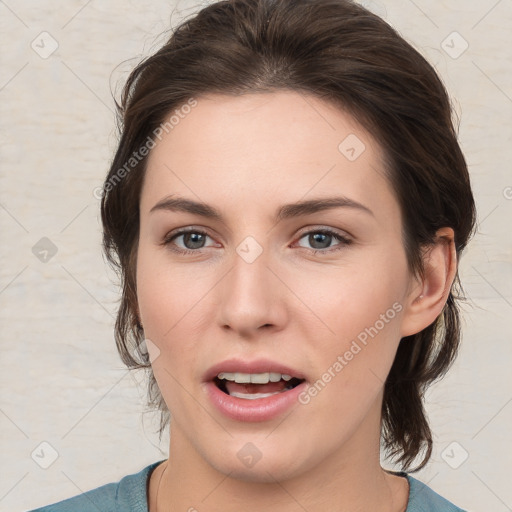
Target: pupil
197, 240
320, 237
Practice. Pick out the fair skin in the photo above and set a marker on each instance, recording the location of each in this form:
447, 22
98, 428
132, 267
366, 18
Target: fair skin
246, 156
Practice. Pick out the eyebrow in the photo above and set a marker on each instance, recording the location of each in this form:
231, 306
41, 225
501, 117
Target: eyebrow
286, 211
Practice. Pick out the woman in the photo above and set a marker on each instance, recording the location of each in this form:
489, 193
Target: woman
286, 207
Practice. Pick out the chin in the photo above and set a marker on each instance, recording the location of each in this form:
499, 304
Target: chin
265, 472
250, 464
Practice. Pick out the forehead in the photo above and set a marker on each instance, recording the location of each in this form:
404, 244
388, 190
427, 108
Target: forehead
265, 148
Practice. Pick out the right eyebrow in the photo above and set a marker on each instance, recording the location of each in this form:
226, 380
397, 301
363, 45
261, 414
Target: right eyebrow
180, 204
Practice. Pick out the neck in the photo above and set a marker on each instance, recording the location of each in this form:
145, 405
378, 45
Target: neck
348, 479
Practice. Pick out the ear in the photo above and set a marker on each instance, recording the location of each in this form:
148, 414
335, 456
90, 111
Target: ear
429, 294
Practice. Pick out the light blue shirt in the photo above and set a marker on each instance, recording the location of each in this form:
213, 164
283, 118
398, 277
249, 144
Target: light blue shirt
130, 495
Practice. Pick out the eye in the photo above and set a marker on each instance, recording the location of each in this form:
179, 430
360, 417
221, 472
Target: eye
321, 240
192, 239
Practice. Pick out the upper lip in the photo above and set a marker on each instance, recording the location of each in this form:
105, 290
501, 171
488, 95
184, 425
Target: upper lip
256, 366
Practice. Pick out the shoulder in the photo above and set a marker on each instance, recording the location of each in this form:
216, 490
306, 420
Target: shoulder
129, 494
423, 499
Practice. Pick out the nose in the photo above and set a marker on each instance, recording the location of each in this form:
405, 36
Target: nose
252, 297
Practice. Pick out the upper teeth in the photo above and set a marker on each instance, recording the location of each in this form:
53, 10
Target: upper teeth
254, 378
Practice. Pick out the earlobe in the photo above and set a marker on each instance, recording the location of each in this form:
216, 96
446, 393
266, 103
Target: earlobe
428, 297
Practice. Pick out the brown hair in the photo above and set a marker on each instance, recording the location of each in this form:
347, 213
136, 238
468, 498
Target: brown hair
343, 54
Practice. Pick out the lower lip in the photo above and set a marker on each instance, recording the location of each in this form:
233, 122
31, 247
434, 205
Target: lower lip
260, 409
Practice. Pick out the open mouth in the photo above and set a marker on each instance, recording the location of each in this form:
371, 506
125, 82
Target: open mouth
251, 386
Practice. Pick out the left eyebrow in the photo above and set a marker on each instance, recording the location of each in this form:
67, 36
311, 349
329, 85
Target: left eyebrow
286, 211
311, 206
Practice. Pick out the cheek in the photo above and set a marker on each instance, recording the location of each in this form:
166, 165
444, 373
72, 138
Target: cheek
165, 295
166, 301
348, 299
362, 306
172, 305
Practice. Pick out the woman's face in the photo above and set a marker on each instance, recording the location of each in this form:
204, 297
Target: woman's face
316, 293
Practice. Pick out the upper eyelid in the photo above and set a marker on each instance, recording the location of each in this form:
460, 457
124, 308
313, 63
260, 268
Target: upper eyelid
340, 232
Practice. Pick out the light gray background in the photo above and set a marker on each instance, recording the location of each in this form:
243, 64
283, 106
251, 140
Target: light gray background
62, 381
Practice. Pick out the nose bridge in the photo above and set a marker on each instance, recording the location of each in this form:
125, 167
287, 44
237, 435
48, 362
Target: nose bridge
250, 294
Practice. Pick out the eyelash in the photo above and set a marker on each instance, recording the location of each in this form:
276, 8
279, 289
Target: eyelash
343, 240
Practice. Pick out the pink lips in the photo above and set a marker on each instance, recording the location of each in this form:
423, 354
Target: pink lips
248, 410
